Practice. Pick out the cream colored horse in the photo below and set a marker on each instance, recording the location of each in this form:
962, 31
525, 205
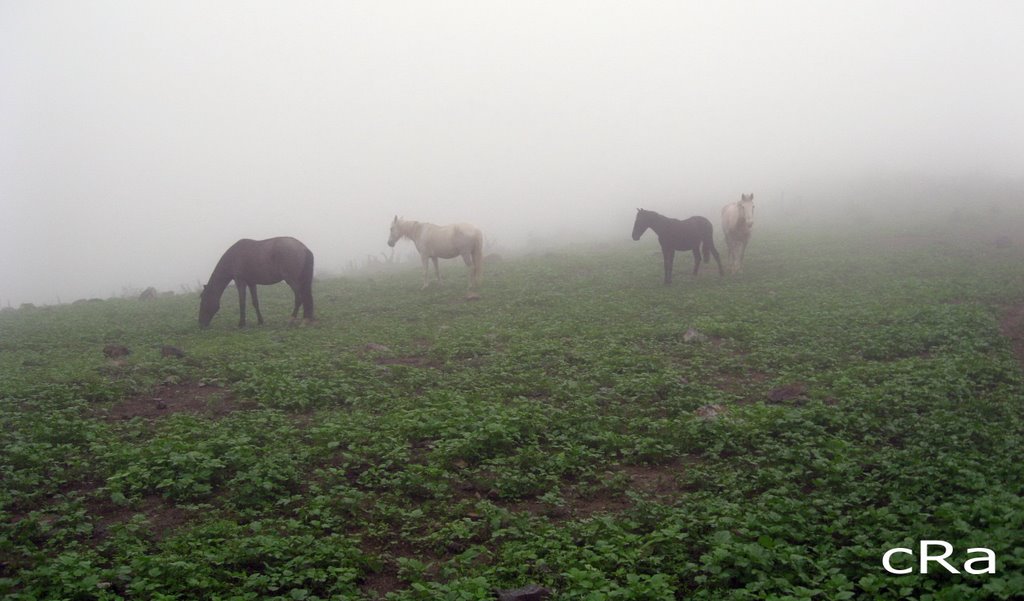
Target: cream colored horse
443, 242
737, 221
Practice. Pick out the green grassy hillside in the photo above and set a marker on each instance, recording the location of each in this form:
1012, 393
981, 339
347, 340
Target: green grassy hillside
844, 396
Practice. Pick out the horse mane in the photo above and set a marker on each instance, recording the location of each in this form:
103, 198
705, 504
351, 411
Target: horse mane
654, 214
410, 227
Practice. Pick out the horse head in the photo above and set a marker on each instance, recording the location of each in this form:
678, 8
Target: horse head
746, 206
209, 304
643, 221
396, 231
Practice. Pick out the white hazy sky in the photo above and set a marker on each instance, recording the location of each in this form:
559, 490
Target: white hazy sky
139, 139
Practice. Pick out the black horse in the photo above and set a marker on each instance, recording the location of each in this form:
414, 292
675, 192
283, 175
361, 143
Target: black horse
252, 262
695, 233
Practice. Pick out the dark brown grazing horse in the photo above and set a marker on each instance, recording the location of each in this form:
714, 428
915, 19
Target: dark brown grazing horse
252, 262
695, 233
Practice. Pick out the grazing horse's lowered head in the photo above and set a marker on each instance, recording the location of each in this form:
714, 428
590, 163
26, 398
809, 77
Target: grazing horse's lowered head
209, 304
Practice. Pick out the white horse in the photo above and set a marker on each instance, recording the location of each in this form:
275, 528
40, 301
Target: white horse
443, 242
737, 221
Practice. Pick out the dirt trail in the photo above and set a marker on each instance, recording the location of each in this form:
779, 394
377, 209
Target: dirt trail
169, 399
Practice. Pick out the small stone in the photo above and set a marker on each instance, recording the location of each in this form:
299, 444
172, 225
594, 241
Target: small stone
694, 335
709, 412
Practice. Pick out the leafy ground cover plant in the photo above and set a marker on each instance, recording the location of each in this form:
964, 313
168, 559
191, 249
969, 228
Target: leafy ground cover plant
766, 436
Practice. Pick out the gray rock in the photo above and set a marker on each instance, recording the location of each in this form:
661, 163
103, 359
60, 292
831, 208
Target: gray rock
694, 335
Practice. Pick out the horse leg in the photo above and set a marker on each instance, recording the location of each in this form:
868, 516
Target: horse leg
298, 298
256, 304
714, 253
437, 271
696, 260
241, 303
307, 301
426, 270
670, 256
467, 258
743, 251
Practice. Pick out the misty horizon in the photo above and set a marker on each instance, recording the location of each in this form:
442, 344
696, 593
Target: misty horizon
139, 141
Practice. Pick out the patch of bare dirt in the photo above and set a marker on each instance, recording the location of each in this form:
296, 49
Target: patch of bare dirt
586, 507
381, 583
178, 398
745, 385
794, 392
657, 480
650, 481
162, 515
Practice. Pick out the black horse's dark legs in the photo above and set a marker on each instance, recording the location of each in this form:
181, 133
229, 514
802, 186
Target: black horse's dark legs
297, 291
714, 253
241, 303
306, 294
256, 304
670, 256
696, 261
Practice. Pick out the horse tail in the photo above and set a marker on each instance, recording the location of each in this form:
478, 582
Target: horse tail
709, 247
478, 258
306, 281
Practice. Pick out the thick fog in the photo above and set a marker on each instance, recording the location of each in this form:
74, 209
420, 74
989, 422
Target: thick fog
138, 140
